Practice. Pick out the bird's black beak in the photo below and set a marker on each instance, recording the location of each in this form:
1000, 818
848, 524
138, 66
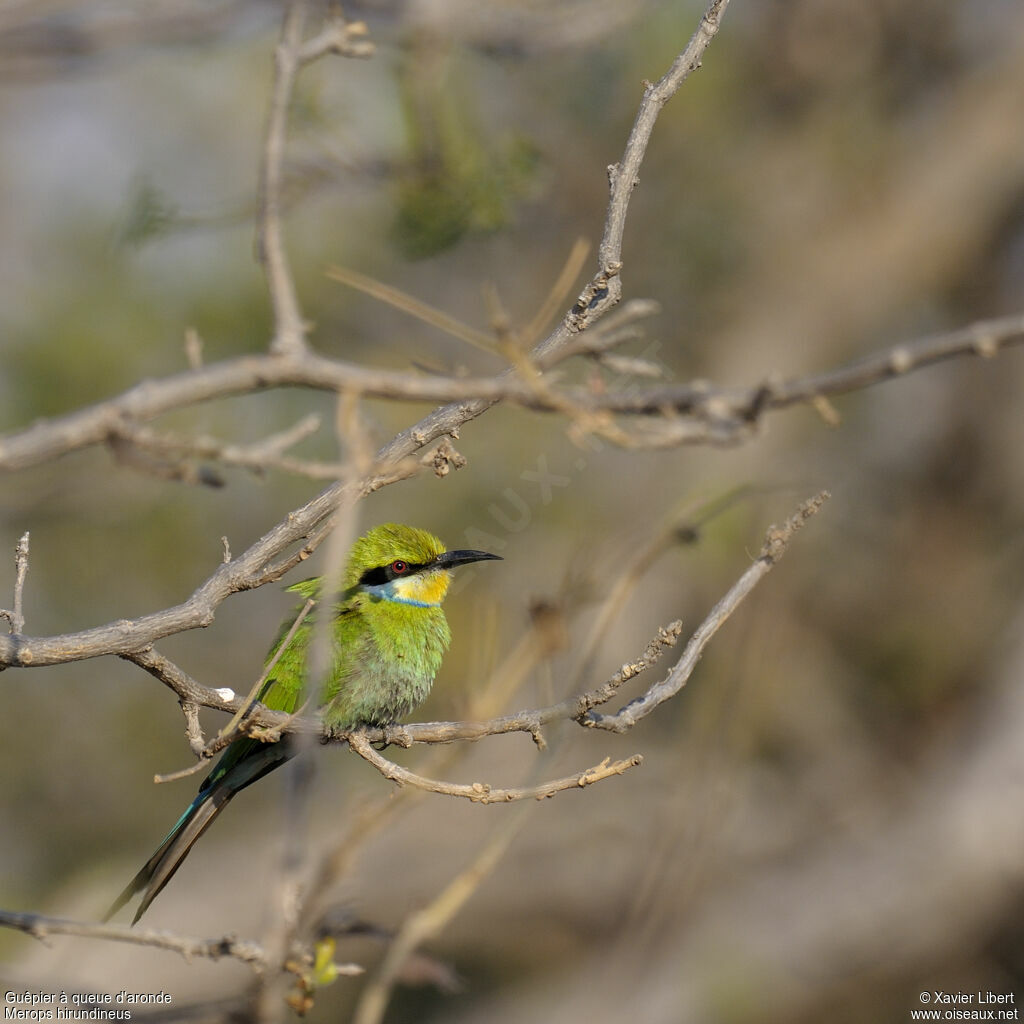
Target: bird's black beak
450, 559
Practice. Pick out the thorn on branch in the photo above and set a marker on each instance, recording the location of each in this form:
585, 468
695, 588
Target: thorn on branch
826, 410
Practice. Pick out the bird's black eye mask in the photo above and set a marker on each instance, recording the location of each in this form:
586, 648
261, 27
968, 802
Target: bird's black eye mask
381, 574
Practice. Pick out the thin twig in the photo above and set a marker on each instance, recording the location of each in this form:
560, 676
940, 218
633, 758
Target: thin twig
16, 616
615, 328
605, 288
257, 565
532, 722
449, 418
193, 349
289, 328
579, 707
483, 793
238, 725
232, 730
680, 529
711, 414
338, 36
291, 53
258, 458
411, 305
557, 293
42, 927
776, 541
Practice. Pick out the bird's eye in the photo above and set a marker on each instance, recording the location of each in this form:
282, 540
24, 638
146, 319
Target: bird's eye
399, 566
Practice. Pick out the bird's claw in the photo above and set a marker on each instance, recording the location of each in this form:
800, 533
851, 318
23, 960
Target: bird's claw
394, 735
334, 733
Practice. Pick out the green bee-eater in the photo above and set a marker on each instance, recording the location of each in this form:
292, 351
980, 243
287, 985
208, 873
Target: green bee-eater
389, 635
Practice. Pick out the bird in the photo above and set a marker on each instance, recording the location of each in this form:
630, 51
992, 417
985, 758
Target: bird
389, 634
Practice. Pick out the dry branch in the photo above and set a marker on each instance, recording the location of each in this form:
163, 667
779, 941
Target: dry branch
16, 616
690, 412
532, 722
256, 565
482, 793
289, 327
579, 707
263, 562
599, 296
41, 927
775, 543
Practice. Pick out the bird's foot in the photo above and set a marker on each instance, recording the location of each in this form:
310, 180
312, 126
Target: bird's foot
334, 733
396, 735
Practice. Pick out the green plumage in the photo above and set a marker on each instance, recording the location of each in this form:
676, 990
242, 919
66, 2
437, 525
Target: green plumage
389, 635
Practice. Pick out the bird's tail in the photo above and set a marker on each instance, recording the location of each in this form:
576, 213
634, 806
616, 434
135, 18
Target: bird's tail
211, 800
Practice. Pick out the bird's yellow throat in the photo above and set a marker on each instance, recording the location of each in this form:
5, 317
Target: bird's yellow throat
427, 588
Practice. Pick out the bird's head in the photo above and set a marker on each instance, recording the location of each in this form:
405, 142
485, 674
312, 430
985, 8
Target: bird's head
403, 564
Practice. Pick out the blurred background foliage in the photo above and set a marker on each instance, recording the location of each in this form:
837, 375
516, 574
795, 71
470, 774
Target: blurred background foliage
828, 819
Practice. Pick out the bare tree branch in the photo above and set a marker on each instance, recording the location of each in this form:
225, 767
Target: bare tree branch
254, 567
41, 927
259, 457
598, 297
360, 741
696, 412
16, 616
291, 53
338, 36
579, 707
775, 543
278, 723
482, 793
655, 416
605, 288
289, 327
300, 958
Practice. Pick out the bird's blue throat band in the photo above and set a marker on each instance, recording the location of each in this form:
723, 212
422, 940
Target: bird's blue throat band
386, 592
413, 604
